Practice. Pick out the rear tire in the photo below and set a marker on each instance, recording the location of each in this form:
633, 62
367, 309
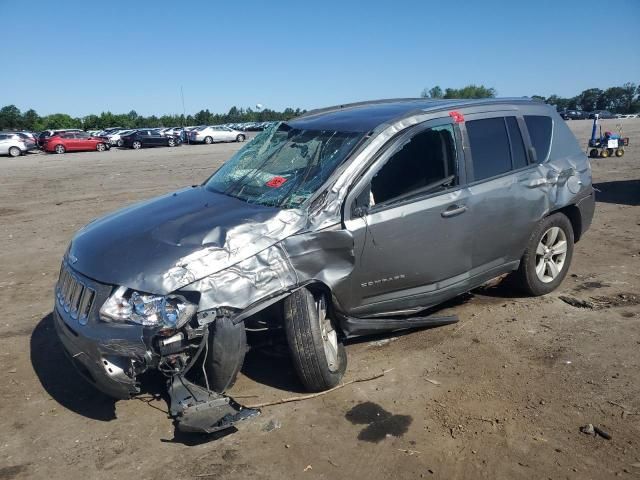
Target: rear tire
319, 357
120, 143
593, 153
14, 152
619, 152
547, 258
227, 348
101, 147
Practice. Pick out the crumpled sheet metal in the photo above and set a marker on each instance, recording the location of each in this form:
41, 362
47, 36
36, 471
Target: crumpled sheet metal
325, 256
263, 274
236, 250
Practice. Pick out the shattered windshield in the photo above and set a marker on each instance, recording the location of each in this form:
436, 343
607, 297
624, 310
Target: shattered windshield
283, 166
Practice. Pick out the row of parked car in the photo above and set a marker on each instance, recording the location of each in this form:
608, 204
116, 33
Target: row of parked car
68, 140
603, 114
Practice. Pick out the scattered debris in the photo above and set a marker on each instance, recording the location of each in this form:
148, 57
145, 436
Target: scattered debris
603, 433
596, 303
576, 302
588, 429
314, 395
435, 382
407, 451
308, 467
383, 342
272, 425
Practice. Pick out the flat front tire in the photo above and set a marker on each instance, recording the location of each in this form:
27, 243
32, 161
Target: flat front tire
547, 258
318, 355
225, 354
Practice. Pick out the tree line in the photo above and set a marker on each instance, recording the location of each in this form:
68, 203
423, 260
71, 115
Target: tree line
11, 118
622, 99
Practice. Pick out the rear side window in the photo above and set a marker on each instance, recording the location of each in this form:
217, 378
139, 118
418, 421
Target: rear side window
518, 156
540, 133
489, 147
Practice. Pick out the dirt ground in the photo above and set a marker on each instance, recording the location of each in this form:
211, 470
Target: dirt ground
501, 394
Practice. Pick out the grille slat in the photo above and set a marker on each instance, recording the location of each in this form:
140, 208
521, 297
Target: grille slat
74, 297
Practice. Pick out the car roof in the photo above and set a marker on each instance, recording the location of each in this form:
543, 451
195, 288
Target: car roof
366, 116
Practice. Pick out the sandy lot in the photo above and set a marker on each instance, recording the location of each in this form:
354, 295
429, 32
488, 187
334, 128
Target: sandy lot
501, 394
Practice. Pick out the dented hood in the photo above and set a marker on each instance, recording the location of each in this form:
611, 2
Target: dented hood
168, 242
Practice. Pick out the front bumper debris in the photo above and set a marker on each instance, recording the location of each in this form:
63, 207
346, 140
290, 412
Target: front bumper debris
196, 409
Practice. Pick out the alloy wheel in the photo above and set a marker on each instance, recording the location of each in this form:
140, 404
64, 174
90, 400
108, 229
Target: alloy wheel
59, 149
136, 145
328, 334
551, 254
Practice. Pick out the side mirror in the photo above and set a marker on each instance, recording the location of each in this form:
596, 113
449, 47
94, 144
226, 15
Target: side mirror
360, 211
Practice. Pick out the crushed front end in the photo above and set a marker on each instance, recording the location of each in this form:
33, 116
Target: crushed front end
113, 334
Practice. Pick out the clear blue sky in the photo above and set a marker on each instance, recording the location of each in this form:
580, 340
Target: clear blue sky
82, 57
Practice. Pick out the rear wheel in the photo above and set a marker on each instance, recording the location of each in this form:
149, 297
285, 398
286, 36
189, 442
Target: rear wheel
208, 140
120, 143
240, 138
60, 149
137, 144
318, 355
547, 258
14, 152
619, 152
101, 147
593, 153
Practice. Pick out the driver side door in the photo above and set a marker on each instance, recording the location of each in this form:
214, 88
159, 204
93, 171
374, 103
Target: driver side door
407, 216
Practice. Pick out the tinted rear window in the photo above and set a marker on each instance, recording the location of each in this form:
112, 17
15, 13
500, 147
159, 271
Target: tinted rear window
540, 132
489, 147
518, 156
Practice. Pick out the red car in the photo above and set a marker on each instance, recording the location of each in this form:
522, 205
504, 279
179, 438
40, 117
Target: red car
74, 142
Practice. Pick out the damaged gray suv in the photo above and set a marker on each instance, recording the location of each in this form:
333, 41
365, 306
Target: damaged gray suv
346, 221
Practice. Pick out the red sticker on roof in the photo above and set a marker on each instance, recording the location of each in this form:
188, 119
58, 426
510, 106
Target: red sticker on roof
457, 116
276, 182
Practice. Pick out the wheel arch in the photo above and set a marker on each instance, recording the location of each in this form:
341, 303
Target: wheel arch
572, 212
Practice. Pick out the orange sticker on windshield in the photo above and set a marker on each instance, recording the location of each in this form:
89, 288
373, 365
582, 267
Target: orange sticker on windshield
276, 182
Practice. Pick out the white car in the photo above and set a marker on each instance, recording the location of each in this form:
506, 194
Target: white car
116, 137
216, 133
12, 144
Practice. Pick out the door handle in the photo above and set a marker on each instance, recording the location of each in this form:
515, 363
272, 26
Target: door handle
454, 210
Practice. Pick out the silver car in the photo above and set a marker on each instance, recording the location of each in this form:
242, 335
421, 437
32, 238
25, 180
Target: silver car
346, 221
12, 144
216, 133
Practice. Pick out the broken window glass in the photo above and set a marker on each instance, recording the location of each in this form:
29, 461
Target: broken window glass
283, 166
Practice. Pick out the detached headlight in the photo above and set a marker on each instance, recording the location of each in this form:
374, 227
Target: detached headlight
125, 305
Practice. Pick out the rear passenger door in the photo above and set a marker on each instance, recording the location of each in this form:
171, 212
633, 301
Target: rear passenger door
503, 207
